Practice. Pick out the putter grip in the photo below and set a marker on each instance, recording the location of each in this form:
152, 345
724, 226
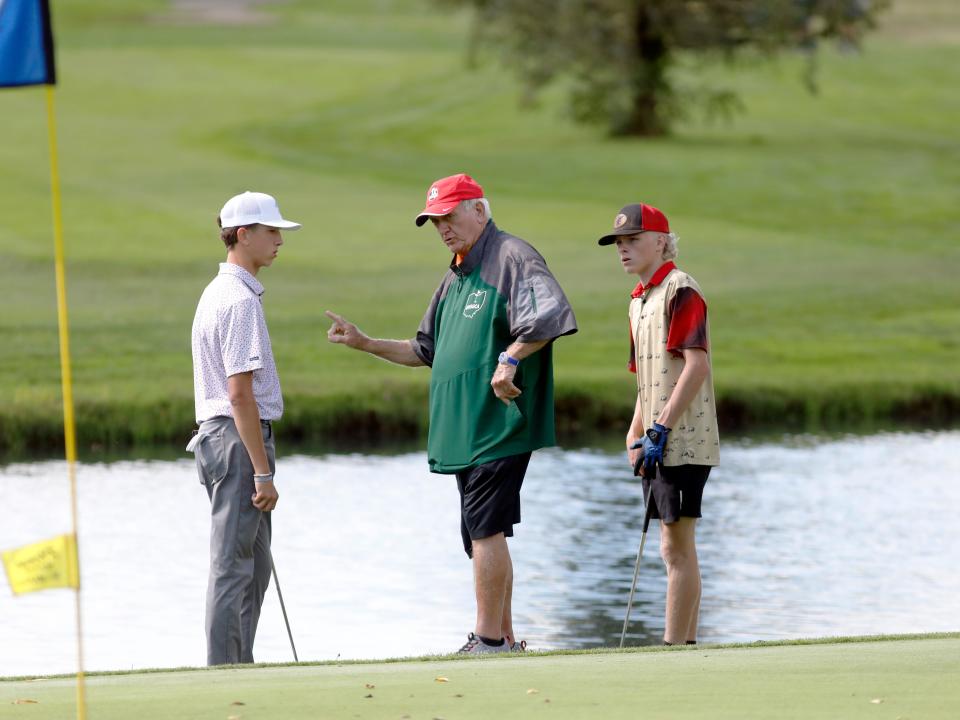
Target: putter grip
639, 463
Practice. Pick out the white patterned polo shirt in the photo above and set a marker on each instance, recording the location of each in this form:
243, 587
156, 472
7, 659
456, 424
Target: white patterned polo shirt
230, 337
666, 316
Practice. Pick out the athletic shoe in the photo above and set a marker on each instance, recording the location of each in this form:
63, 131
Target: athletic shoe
476, 646
519, 646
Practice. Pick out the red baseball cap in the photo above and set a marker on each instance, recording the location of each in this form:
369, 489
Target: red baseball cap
634, 219
446, 193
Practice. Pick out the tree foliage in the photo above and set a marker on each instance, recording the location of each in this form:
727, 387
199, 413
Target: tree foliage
621, 56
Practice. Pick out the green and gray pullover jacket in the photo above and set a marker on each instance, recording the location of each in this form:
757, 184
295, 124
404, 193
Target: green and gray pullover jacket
501, 292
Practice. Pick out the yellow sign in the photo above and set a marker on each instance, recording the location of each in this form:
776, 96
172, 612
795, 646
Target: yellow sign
43, 565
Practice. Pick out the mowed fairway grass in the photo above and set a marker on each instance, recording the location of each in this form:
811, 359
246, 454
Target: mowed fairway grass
825, 231
873, 679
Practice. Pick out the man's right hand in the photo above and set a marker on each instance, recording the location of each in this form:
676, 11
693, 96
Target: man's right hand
635, 453
344, 332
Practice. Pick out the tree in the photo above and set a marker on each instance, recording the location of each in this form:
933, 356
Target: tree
621, 55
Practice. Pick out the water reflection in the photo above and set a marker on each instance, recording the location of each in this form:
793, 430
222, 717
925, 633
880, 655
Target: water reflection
803, 538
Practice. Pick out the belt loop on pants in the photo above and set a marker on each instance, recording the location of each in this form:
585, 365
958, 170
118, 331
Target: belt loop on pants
268, 425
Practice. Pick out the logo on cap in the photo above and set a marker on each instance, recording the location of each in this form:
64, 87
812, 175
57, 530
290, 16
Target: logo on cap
619, 221
434, 192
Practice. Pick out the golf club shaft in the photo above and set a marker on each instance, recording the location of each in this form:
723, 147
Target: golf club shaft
636, 567
283, 608
633, 587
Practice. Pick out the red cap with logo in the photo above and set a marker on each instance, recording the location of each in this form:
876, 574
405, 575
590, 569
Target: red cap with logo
446, 193
634, 219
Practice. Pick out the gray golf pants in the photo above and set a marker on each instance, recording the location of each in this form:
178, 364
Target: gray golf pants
239, 541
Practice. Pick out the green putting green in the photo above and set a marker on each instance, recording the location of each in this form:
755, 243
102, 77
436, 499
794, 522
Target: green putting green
885, 678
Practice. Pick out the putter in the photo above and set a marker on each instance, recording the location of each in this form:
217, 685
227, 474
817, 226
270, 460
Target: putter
643, 539
283, 608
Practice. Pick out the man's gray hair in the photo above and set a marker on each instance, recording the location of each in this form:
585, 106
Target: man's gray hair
464, 204
670, 241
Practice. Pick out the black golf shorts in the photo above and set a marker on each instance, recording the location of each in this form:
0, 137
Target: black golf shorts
677, 492
490, 498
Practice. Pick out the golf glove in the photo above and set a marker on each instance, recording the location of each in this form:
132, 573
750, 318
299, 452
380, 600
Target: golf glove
654, 441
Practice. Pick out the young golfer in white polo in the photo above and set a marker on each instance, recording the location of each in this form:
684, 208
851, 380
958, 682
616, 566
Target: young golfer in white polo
237, 395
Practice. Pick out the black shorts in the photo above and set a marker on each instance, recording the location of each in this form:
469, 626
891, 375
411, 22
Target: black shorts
677, 492
490, 498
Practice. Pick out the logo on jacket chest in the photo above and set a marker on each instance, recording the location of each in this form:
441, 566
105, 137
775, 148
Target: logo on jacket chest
475, 301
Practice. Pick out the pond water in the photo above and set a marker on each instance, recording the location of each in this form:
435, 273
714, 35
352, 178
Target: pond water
805, 537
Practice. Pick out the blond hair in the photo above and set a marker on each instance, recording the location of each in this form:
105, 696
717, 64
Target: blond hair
670, 241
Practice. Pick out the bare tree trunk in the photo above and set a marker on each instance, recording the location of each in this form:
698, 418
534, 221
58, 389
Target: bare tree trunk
649, 86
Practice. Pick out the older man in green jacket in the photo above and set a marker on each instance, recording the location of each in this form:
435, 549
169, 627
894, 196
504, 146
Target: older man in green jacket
487, 337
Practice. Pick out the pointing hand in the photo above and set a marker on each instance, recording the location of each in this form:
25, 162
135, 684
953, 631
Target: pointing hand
344, 332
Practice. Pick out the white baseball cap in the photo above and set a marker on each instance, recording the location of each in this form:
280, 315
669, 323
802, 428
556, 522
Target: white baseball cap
254, 207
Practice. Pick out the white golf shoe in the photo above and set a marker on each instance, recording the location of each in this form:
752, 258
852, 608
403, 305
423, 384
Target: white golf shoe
476, 646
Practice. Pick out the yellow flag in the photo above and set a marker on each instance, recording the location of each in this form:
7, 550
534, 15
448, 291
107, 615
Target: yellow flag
48, 564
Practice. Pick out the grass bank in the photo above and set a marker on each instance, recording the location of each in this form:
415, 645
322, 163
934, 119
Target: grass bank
397, 414
824, 230
853, 678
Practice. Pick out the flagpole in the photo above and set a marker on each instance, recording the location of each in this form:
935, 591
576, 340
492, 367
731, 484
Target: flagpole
69, 426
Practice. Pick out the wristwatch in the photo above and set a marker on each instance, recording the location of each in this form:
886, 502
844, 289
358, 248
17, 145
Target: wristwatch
505, 359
